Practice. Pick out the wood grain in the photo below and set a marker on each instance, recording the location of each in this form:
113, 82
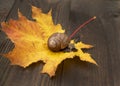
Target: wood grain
103, 33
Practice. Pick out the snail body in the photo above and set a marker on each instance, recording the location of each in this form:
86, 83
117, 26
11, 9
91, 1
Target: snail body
58, 41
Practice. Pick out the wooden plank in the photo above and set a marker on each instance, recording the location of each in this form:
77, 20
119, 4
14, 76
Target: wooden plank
103, 33
5, 8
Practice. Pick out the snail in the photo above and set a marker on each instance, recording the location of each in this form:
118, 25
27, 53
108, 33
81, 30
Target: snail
59, 41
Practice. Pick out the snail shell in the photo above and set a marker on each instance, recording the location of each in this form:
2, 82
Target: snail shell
58, 41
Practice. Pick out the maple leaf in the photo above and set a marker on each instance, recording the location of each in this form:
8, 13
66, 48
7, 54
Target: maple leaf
30, 39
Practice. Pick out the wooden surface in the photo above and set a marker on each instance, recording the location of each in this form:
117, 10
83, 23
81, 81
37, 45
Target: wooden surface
103, 33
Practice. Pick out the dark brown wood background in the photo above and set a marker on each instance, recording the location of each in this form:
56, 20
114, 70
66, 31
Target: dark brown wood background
103, 33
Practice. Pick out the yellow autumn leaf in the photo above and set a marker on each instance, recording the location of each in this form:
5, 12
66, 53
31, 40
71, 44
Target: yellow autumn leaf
30, 39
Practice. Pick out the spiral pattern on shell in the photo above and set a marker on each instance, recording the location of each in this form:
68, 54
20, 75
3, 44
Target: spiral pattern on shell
58, 41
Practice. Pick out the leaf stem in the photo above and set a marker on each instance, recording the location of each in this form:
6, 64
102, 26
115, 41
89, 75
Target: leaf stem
81, 26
